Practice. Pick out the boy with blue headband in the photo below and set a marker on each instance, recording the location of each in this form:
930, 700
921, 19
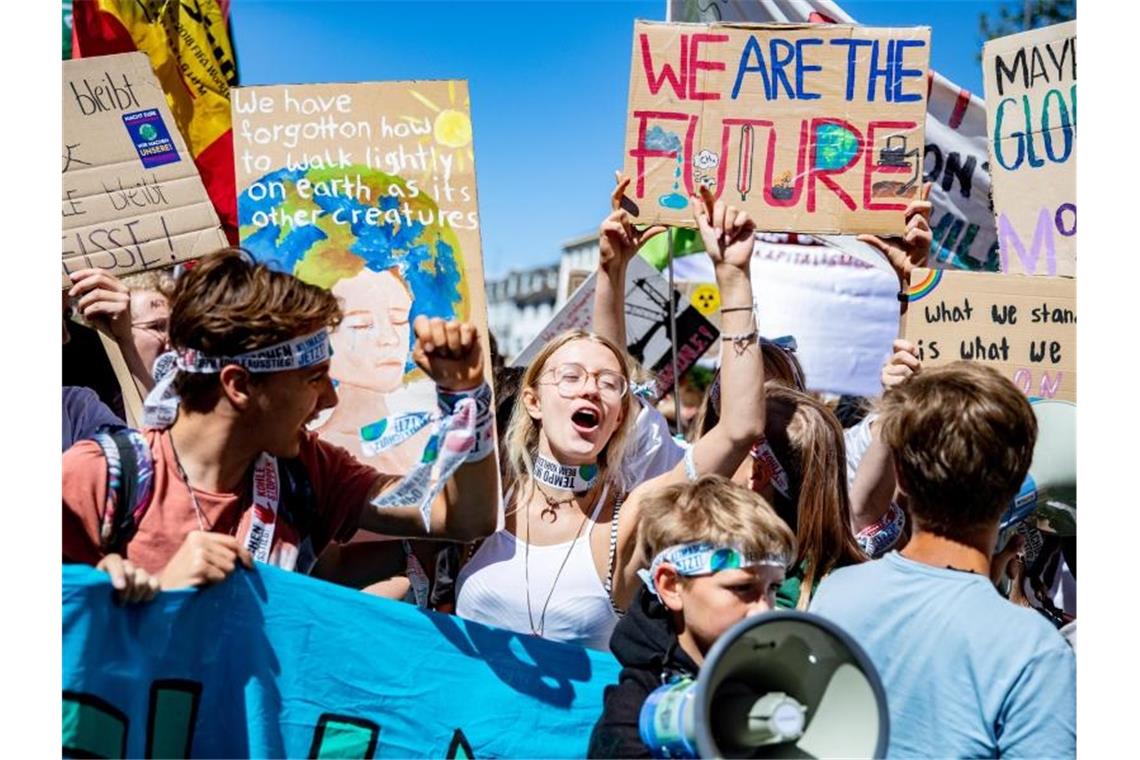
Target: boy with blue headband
719, 554
226, 472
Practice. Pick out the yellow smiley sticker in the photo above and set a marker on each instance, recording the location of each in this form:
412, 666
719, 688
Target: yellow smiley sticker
706, 298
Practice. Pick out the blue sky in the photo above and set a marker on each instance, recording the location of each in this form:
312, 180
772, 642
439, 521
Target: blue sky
548, 80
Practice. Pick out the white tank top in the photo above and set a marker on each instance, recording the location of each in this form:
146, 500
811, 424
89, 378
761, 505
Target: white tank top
492, 589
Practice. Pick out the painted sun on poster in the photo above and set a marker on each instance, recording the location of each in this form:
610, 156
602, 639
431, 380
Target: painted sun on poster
367, 190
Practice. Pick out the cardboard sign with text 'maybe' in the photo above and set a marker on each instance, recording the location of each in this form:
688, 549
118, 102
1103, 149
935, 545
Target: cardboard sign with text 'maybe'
1031, 105
809, 128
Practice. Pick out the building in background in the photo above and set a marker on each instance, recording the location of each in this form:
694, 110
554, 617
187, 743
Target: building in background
578, 255
520, 304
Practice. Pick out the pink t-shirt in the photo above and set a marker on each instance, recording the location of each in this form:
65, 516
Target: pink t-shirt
341, 486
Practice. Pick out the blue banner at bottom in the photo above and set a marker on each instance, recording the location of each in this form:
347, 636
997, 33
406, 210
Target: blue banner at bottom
275, 664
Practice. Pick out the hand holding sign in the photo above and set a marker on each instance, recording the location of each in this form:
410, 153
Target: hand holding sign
104, 301
912, 250
131, 583
448, 352
204, 558
727, 232
902, 364
619, 240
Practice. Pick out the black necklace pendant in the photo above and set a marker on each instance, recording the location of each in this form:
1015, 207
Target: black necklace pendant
549, 514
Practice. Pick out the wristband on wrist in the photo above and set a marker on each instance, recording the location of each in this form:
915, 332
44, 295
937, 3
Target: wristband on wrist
464, 432
484, 432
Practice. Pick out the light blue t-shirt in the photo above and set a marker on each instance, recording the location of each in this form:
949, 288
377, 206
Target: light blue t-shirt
967, 673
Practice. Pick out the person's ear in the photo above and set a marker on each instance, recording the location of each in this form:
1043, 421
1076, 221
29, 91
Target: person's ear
668, 583
532, 403
236, 382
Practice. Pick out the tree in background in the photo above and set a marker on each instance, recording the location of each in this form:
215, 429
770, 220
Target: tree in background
1023, 15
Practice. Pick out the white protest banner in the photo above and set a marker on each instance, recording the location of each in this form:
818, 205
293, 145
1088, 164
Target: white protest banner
956, 157
714, 105
841, 308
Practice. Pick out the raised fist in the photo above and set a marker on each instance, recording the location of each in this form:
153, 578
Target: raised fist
448, 352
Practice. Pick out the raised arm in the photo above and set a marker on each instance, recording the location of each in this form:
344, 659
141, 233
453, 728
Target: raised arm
467, 506
618, 242
105, 302
911, 251
728, 236
874, 482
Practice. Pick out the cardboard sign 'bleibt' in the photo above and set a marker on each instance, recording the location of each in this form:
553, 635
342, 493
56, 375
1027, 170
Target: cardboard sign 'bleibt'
1031, 106
1024, 326
807, 127
368, 190
132, 197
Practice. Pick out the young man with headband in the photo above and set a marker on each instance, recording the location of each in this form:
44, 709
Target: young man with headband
226, 471
719, 553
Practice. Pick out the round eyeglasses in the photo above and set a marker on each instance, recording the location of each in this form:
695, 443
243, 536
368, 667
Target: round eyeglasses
570, 379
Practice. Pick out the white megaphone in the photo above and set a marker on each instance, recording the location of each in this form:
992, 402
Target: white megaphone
1048, 497
778, 684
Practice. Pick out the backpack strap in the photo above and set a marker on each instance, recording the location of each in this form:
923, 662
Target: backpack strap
298, 506
130, 485
298, 500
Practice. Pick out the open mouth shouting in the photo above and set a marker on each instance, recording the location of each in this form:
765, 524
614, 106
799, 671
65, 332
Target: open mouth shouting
586, 419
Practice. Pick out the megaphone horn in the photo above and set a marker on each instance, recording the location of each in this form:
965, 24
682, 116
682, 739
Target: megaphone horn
779, 684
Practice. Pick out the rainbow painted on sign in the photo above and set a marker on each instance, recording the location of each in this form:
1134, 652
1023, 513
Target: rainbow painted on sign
920, 290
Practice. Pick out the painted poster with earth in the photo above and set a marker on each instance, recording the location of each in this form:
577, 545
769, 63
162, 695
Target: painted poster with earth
808, 127
367, 190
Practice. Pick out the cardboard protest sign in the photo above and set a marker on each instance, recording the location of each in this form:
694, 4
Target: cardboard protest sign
1024, 326
647, 327
1031, 104
809, 128
955, 156
367, 190
132, 197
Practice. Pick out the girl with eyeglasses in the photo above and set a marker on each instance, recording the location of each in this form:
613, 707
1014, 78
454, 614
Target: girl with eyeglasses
564, 563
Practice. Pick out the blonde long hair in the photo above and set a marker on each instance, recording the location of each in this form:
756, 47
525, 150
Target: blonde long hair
523, 431
811, 451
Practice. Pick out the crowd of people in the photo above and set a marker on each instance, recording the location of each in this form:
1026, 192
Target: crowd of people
566, 506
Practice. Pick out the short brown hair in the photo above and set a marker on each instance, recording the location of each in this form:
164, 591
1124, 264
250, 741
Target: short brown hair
962, 438
712, 508
226, 305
